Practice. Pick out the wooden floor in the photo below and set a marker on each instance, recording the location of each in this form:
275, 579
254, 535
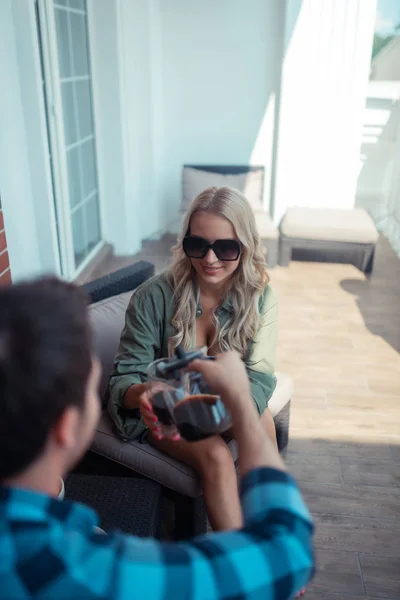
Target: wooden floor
340, 341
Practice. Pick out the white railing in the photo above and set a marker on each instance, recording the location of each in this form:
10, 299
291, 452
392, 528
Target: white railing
378, 187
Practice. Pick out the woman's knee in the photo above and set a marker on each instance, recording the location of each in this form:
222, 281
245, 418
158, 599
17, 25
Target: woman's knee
216, 460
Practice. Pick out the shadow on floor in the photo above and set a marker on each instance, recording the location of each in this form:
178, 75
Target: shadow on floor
378, 298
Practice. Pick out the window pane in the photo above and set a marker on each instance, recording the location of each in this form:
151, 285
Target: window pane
80, 4
79, 44
92, 222
88, 158
64, 59
78, 236
70, 119
74, 182
83, 94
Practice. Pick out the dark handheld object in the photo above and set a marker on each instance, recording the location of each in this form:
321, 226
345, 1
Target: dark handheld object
170, 368
200, 413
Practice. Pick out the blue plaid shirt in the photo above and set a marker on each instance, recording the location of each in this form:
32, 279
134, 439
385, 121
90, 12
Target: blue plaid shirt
48, 550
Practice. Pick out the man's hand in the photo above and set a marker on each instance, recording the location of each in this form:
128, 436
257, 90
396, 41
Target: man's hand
226, 375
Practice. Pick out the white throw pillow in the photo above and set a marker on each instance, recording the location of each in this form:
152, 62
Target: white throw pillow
250, 184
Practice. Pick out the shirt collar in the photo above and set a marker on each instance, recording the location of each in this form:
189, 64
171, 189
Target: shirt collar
18, 504
226, 306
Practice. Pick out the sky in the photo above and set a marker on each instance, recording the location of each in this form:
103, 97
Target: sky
387, 16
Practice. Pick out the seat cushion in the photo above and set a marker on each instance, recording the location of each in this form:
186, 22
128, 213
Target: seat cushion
146, 460
266, 228
251, 185
334, 225
282, 394
157, 465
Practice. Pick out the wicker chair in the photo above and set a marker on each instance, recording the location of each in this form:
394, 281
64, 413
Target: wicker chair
109, 297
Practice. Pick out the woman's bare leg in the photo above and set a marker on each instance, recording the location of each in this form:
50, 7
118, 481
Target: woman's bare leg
213, 461
269, 425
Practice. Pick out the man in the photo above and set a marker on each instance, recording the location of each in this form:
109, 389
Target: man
48, 411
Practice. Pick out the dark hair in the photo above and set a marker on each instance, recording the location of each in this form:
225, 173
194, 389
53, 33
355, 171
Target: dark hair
45, 361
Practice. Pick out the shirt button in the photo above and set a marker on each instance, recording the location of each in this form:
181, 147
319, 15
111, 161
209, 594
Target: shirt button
198, 312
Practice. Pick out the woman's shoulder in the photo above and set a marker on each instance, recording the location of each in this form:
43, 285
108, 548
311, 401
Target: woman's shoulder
156, 288
269, 299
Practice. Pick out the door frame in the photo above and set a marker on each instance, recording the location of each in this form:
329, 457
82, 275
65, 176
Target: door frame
57, 143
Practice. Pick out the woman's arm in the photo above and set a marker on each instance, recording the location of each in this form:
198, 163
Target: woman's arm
140, 343
260, 362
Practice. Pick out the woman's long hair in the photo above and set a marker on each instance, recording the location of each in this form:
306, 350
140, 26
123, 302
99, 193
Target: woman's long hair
245, 287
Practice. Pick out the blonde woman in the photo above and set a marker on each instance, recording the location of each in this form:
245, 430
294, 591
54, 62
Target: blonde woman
216, 294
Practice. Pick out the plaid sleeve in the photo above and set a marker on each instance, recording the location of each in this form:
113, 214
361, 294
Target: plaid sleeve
271, 557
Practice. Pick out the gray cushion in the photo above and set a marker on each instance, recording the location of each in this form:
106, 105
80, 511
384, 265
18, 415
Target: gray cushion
107, 319
148, 461
157, 465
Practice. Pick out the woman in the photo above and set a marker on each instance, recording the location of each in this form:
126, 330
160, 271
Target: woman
215, 294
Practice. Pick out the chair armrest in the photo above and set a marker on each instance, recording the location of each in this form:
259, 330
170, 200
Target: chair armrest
118, 282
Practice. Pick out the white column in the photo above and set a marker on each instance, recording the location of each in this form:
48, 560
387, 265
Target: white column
141, 111
107, 34
325, 69
15, 175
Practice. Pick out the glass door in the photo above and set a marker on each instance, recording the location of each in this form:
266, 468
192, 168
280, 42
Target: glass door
63, 31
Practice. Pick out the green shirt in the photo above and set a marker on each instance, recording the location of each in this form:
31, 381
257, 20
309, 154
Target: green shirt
145, 339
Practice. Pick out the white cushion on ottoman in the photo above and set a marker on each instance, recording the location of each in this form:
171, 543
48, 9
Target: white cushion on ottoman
329, 224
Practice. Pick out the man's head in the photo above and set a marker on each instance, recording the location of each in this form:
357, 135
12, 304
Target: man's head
48, 380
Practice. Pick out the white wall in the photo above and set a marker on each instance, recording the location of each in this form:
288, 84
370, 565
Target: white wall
141, 110
386, 64
220, 72
15, 176
324, 81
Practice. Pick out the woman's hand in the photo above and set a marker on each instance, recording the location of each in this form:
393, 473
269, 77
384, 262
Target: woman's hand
150, 418
132, 395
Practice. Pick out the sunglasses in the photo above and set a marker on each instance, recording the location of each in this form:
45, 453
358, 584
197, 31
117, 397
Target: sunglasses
197, 247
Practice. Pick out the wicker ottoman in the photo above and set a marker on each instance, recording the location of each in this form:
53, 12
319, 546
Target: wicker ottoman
335, 234
123, 499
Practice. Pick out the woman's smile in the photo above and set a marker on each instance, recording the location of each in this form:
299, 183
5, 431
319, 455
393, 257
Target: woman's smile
211, 269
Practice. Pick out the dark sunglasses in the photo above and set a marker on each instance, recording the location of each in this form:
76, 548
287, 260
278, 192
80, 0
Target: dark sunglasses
197, 247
